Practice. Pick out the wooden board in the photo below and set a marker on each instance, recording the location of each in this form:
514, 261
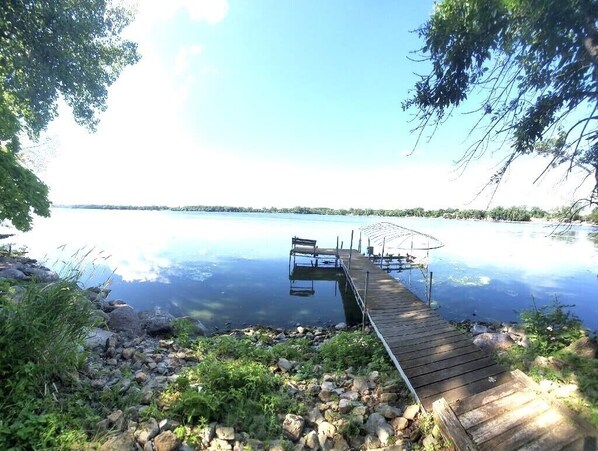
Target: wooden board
477, 404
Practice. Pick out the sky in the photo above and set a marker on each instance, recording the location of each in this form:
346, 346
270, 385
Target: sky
276, 103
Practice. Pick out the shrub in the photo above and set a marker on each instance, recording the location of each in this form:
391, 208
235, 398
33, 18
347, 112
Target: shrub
551, 327
354, 349
40, 338
239, 393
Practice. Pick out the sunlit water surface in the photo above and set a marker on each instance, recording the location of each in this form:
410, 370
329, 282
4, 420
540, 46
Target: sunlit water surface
231, 270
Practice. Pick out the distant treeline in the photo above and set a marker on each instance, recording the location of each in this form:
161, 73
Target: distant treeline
496, 214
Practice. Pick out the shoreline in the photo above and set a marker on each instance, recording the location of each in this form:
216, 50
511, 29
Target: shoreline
139, 360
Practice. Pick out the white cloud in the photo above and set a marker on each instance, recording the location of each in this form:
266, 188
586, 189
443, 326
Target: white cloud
210, 11
184, 57
150, 12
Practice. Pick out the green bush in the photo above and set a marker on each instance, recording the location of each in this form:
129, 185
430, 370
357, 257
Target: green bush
552, 327
40, 338
356, 349
238, 393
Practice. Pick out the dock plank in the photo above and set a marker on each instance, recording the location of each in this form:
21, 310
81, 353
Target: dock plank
499, 409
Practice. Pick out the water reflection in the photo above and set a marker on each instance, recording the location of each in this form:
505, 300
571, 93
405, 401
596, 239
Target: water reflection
233, 268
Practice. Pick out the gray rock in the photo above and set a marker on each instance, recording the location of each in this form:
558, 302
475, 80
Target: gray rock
284, 365
339, 443
399, 424
292, 426
121, 442
350, 395
311, 440
225, 432
385, 432
372, 442
315, 416
12, 273
340, 326
220, 445
478, 329
97, 337
157, 322
117, 419
411, 412
42, 275
360, 384
345, 406
388, 412
206, 434
327, 429
374, 420
124, 319
147, 431
493, 341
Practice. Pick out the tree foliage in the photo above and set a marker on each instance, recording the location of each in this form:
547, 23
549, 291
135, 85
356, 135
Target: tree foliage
51, 50
533, 67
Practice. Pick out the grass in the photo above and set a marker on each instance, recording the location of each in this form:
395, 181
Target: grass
40, 338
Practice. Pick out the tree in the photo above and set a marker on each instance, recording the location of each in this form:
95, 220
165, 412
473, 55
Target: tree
532, 68
52, 49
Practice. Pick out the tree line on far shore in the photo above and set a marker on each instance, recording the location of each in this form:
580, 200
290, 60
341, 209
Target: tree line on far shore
519, 214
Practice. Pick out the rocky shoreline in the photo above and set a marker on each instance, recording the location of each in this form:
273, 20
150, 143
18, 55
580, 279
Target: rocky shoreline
136, 356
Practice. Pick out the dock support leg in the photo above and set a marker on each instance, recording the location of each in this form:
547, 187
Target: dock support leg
365, 300
351, 249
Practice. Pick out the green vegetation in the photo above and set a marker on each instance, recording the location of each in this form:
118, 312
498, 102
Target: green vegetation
593, 217
363, 352
51, 50
553, 332
235, 384
522, 214
40, 338
552, 327
530, 70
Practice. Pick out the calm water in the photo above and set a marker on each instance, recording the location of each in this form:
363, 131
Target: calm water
231, 270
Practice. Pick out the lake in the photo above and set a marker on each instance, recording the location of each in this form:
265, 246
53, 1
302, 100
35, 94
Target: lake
232, 269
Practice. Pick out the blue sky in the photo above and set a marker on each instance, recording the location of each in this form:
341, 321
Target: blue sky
274, 103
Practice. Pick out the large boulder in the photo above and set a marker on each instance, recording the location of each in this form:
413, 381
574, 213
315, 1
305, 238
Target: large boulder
12, 273
41, 274
124, 319
98, 337
493, 341
157, 322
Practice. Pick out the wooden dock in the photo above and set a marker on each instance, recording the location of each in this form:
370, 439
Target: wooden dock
477, 403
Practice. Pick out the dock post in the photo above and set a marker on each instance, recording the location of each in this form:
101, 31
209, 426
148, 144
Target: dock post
359, 245
365, 300
382, 254
337, 256
430, 290
351, 249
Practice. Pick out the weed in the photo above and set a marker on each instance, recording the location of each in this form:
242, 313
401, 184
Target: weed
551, 327
235, 392
363, 352
183, 329
40, 338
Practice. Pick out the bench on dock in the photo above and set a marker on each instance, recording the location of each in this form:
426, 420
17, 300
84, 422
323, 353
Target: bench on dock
306, 246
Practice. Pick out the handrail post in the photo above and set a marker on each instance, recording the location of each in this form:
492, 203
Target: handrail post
430, 290
365, 300
351, 249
